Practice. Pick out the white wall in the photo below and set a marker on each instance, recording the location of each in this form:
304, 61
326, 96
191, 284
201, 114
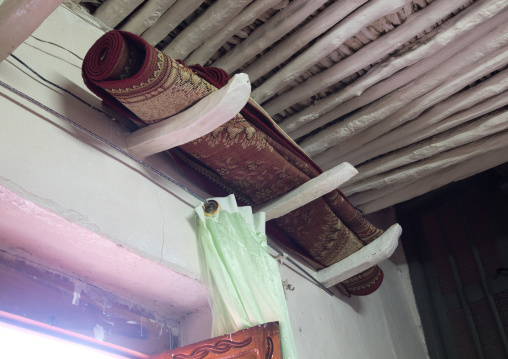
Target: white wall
377, 326
49, 159
72, 179
382, 325
47, 163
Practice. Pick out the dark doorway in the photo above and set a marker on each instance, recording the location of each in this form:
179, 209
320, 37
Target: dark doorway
456, 244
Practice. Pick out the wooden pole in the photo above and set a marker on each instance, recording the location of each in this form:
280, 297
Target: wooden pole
170, 20
147, 16
335, 37
413, 189
475, 71
462, 67
366, 55
19, 19
427, 52
245, 18
465, 106
294, 42
266, 34
112, 12
212, 20
460, 136
421, 169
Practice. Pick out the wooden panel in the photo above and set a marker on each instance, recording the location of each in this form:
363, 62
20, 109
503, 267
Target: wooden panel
260, 342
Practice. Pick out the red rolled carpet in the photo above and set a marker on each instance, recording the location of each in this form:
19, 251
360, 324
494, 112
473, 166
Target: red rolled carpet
248, 156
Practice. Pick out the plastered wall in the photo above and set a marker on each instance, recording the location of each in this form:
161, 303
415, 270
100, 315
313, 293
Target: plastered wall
48, 163
383, 325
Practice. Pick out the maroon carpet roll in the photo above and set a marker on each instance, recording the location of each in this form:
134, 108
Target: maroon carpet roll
248, 156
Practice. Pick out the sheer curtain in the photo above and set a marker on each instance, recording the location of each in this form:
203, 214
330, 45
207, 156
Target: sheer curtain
243, 279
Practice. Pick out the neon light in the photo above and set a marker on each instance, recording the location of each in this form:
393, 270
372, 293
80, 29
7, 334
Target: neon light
20, 343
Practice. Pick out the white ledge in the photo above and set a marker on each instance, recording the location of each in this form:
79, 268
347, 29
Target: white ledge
374, 253
309, 191
209, 113
221, 106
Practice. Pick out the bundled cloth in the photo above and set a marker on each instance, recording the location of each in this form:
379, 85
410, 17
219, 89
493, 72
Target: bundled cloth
248, 156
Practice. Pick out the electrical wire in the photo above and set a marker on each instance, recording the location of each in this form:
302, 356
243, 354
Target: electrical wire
147, 166
61, 88
54, 44
100, 139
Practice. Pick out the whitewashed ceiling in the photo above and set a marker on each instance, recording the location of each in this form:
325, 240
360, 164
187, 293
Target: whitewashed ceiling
413, 93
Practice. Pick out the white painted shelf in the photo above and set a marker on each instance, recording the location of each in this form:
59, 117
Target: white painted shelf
219, 107
309, 191
206, 115
370, 255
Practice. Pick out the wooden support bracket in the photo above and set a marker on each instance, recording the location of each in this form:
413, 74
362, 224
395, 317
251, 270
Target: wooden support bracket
309, 191
221, 106
209, 113
374, 253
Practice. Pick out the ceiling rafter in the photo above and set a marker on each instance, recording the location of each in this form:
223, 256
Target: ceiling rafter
368, 82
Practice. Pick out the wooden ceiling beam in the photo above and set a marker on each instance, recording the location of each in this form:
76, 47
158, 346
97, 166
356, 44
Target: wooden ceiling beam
147, 16
210, 22
481, 16
112, 12
367, 55
298, 39
407, 191
268, 33
488, 96
428, 166
170, 20
414, 108
377, 91
19, 19
245, 18
459, 136
335, 37
458, 69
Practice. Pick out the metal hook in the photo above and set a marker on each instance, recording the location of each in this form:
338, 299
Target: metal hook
211, 207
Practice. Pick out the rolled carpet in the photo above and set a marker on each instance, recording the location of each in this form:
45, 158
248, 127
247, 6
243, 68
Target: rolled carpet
248, 156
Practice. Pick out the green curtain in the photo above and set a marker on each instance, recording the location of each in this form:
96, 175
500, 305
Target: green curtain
243, 279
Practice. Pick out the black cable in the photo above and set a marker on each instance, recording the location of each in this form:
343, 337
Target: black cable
52, 43
61, 88
72, 123
100, 139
